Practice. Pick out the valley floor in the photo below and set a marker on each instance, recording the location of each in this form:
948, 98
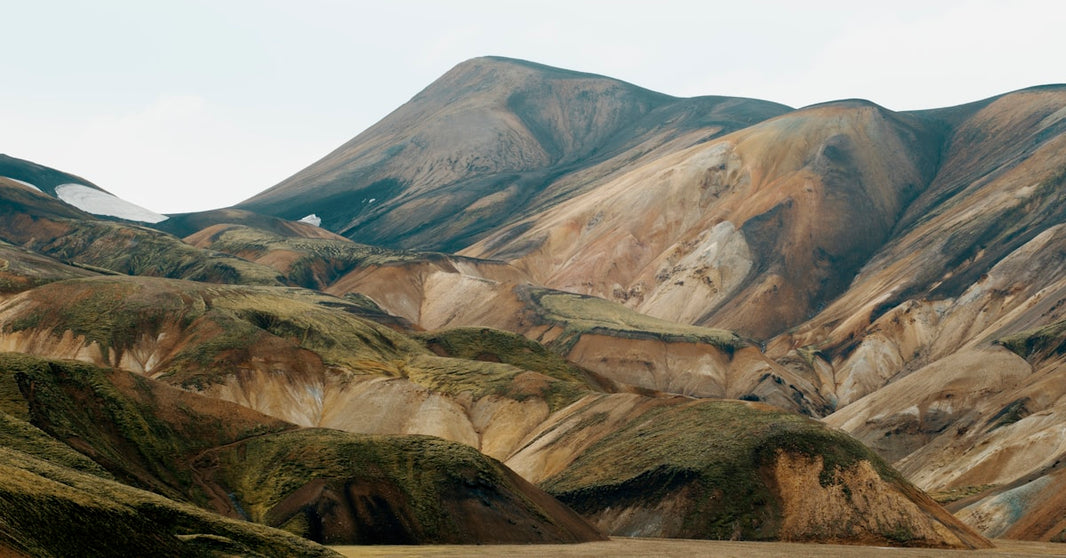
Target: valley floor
620, 546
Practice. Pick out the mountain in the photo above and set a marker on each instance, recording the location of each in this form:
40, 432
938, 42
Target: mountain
774, 219
593, 308
490, 140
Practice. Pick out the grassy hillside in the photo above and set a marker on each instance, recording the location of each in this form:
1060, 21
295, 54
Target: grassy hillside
308, 262
141, 431
718, 449
219, 324
47, 510
343, 488
732, 470
495, 346
21, 269
326, 485
579, 314
199, 334
45, 225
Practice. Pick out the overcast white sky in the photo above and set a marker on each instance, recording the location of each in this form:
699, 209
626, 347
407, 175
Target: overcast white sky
190, 105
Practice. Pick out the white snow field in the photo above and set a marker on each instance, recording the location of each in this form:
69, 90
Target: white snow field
101, 203
312, 219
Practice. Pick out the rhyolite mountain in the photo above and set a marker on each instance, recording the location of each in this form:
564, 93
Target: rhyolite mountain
627, 299
491, 139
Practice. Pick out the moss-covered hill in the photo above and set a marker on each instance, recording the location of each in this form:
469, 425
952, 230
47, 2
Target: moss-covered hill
325, 485
579, 315
49, 510
733, 470
22, 269
492, 345
55, 501
308, 262
195, 335
337, 487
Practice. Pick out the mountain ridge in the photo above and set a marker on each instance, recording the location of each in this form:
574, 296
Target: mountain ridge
516, 147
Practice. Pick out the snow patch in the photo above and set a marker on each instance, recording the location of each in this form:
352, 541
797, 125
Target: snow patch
101, 203
312, 219
23, 182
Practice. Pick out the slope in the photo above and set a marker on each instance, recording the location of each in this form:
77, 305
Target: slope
325, 485
300, 355
74, 191
37, 222
491, 139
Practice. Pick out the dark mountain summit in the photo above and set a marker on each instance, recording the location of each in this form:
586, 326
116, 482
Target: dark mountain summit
490, 140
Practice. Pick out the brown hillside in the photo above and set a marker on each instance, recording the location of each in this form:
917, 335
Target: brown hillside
490, 139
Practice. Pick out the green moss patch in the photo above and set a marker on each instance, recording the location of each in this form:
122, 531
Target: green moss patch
486, 346
53, 511
1037, 344
580, 314
342, 488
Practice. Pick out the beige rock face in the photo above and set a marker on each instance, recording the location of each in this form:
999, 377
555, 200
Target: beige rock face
1030, 509
763, 219
859, 507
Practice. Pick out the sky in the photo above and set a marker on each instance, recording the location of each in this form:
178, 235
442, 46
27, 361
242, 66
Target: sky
191, 105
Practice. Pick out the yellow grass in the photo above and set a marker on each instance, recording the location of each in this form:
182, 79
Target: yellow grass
665, 548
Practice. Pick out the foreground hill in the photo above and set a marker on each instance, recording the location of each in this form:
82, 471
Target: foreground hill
328, 486
304, 357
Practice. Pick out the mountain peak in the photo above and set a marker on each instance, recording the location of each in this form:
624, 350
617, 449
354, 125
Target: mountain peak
491, 138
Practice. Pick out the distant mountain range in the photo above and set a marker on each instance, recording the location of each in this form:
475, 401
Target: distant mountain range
651, 316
